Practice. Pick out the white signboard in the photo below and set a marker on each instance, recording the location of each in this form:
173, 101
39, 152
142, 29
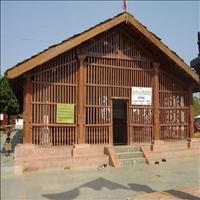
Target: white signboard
141, 95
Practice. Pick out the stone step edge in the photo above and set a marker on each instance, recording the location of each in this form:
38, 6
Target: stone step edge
140, 158
175, 150
70, 154
126, 147
20, 168
126, 150
60, 157
124, 153
131, 157
65, 160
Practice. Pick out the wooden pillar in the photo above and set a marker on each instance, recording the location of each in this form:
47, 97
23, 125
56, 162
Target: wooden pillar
111, 122
27, 116
155, 81
110, 135
190, 115
81, 98
130, 128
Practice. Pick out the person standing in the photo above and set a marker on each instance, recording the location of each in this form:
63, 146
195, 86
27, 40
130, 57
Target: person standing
8, 146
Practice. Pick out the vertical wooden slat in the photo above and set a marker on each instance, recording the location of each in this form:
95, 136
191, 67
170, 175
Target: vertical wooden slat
155, 81
27, 113
81, 98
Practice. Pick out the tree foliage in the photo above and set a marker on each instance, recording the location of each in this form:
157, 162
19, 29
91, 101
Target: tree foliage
196, 105
8, 102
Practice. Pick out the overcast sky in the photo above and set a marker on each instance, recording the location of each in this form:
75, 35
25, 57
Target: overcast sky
30, 27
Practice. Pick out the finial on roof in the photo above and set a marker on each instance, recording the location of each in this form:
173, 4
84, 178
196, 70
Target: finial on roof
125, 5
125, 9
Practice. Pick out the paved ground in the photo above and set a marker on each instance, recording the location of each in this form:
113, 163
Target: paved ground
108, 183
191, 192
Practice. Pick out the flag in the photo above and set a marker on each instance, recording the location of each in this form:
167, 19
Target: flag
124, 5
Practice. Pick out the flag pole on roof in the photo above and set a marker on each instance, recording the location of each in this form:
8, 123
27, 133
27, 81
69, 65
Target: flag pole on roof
125, 9
124, 5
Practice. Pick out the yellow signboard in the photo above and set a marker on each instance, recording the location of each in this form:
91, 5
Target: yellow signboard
65, 113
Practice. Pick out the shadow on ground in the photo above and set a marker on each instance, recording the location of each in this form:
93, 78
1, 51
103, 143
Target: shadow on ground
97, 184
139, 188
182, 195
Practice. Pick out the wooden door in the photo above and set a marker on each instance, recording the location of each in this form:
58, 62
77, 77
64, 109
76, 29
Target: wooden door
119, 122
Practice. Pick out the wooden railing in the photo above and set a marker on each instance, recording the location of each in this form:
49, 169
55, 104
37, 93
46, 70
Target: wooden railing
54, 136
97, 134
173, 108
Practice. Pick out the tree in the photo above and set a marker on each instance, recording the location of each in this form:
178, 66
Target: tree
8, 101
196, 105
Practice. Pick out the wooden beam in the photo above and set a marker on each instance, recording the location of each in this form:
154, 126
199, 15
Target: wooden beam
138, 42
27, 116
81, 98
190, 115
155, 81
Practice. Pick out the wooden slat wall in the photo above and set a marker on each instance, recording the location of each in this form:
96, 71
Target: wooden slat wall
115, 63
173, 98
54, 82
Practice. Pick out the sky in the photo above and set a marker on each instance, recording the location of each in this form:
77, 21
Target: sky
28, 27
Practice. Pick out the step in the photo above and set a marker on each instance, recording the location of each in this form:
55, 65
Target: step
88, 150
44, 163
89, 161
121, 149
129, 155
63, 163
175, 154
24, 151
131, 162
171, 146
46, 157
174, 148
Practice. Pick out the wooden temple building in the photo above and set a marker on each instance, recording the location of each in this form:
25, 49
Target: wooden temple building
113, 84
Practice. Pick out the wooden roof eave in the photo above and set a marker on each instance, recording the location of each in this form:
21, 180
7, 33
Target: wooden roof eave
63, 47
136, 24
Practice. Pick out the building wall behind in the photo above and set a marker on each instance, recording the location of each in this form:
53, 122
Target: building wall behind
115, 62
